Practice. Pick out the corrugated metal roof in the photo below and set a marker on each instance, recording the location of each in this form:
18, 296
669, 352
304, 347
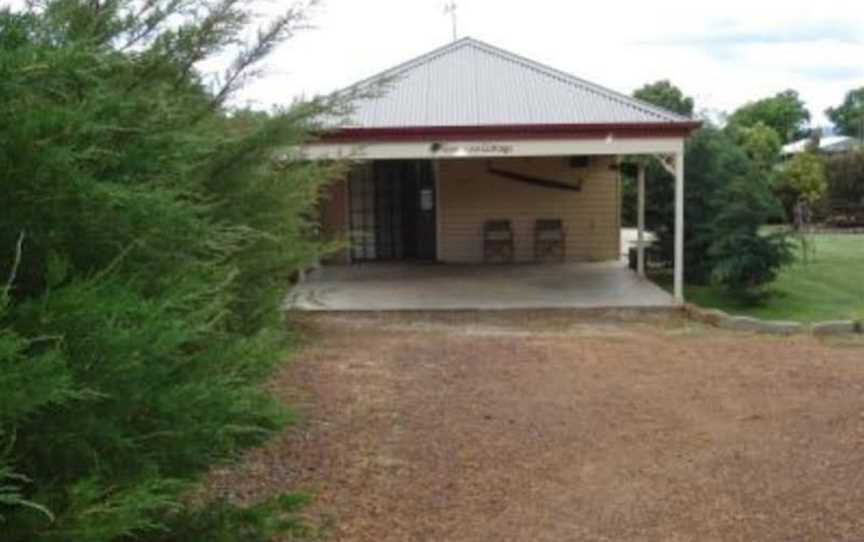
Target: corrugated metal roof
471, 83
828, 144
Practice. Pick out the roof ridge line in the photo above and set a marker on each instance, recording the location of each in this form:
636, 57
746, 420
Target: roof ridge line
573, 79
408, 64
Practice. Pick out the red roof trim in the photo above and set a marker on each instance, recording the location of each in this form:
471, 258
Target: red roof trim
523, 131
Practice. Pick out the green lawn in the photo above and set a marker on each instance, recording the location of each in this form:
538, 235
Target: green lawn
829, 286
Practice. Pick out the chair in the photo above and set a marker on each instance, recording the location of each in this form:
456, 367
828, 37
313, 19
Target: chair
549, 240
498, 241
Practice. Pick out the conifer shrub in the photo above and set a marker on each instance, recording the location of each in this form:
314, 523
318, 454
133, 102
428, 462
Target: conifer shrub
746, 257
147, 236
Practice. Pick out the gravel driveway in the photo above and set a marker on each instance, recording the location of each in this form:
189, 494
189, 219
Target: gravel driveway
549, 427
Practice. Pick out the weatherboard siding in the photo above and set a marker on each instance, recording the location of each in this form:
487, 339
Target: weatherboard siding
334, 217
469, 195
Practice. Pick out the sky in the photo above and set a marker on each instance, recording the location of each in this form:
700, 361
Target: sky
723, 54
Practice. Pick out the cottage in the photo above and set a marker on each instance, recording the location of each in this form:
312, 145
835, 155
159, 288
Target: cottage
475, 155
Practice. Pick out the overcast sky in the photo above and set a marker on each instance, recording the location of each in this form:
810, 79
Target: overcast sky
721, 53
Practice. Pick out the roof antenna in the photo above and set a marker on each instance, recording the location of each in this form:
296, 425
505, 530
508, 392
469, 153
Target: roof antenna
450, 9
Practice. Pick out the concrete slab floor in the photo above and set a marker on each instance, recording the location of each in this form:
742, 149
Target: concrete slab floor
411, 286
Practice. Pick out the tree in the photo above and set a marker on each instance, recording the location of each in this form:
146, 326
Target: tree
726, 202
848, 117
664, 94
785, 112
702, 178
744, 259
712, 159
805, 178
146, 240
762, 145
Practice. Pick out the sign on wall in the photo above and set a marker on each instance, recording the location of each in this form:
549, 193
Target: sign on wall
472, 149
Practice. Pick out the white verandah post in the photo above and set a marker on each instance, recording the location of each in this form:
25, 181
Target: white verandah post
679, 226
640, 219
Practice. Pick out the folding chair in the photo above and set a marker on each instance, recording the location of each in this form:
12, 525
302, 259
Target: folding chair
549, 240
498, 241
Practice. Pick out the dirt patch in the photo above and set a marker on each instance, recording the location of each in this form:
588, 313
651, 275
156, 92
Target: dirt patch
551, 427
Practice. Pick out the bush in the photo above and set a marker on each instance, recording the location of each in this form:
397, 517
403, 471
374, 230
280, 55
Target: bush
726, 198
727, 201
147, 238
711, 161
744, 259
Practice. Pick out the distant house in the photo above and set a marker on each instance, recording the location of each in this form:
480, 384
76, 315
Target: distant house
827, 145
471, 146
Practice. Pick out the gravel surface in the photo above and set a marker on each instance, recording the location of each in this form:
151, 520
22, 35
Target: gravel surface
553, 427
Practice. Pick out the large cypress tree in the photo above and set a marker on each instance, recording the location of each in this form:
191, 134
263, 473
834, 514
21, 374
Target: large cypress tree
147, 236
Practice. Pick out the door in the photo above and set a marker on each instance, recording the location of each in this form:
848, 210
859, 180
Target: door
419, 219
393, 211
389, 210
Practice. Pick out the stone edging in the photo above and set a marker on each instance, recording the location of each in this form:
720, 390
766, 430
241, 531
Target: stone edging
718, 318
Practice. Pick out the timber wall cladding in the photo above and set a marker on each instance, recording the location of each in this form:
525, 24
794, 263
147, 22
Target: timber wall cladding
334, 217
469, 195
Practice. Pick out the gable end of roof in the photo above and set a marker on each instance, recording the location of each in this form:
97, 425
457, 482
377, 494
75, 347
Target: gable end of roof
470, 83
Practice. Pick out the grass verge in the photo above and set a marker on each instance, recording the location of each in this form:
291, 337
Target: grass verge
827, 285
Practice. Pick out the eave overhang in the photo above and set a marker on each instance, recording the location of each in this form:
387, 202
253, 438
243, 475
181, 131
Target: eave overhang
511, 132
